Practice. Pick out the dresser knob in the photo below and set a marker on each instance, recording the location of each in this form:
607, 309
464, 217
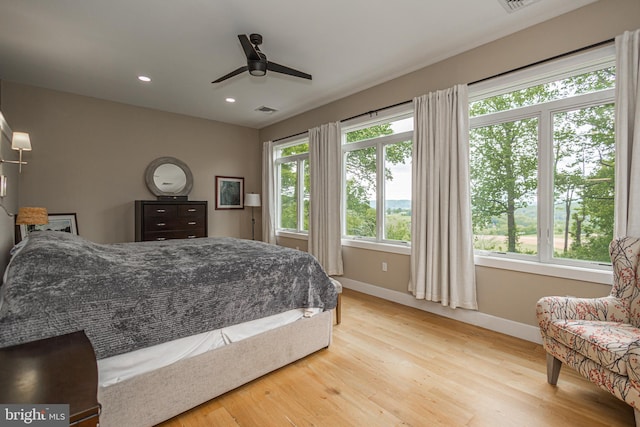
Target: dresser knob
161, 210
191, 210
161, 238
191, 237
161, 224
192, 223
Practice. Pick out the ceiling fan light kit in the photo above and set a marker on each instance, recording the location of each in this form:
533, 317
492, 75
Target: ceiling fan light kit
257, 63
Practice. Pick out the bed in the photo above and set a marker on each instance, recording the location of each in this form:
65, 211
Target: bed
173, 323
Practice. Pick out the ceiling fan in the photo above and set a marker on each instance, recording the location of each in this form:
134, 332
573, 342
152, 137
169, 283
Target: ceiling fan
257, 63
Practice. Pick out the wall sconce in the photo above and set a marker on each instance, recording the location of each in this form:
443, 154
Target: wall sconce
252, 200
3, 186
19, 142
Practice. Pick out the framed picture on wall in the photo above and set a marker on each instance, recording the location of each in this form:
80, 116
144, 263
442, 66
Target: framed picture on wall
229, 192
66, 222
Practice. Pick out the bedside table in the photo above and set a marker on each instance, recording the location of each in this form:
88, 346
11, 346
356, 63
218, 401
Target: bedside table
54, 370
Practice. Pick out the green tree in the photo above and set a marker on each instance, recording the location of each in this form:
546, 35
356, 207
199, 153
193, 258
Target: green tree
288, 195
289, 187
503, 169
587, 174
598, 206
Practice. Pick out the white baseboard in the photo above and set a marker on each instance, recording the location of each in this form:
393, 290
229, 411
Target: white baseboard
483, 320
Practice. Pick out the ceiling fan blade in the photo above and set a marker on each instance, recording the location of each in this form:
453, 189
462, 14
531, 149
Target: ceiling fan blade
272, 66
249, 50
231, 74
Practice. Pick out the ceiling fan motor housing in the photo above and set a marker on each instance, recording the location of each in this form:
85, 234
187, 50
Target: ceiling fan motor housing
257, 68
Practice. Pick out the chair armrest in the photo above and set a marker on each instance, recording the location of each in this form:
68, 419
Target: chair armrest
608, 309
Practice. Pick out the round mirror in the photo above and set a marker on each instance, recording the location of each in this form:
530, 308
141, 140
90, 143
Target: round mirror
169, 177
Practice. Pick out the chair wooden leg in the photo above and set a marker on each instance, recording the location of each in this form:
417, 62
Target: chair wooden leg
553, 369
339, 309
636, 413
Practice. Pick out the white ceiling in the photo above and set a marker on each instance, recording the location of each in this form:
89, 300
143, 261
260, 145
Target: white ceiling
98, 47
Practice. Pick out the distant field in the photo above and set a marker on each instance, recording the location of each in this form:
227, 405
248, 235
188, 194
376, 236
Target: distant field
527, 243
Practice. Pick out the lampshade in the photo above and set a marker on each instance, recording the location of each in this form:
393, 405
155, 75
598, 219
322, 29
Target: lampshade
32, 216
252, 199
21, 141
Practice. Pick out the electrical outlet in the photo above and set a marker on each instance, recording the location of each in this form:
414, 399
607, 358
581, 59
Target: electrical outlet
384, 266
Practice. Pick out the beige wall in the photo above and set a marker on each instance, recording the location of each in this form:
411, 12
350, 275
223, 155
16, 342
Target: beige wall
502, 293
10, 201
89, 157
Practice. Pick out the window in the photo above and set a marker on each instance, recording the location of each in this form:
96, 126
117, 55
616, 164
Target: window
292, 177
542, 164
377, 171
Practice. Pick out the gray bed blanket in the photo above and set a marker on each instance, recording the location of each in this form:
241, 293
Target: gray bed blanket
133, 295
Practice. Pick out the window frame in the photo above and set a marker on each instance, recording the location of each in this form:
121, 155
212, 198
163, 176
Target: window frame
544, 262
380, 142
301, 159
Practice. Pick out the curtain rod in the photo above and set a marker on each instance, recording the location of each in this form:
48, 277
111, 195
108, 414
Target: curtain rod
371, 113
376, 111
290, 136
542, 61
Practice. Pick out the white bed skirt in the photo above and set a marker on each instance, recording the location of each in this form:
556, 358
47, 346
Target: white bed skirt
128, 365
156, 396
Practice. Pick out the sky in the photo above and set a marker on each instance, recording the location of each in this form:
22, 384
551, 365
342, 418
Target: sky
400, 187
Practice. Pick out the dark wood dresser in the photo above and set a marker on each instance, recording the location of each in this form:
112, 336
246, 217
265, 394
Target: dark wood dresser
56, 370
170, 219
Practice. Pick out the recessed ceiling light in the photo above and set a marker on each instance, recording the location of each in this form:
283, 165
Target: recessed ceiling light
144, 78
230, 100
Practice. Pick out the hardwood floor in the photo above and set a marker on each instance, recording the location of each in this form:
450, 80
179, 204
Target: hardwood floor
390, 365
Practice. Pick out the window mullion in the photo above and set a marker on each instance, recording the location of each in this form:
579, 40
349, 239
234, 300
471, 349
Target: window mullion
278, 178
380, 197
343, 179
300, 194
545, 187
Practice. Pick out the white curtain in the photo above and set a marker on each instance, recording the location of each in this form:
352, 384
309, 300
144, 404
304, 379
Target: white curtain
268, 194
325, 161
442, 266
627, 127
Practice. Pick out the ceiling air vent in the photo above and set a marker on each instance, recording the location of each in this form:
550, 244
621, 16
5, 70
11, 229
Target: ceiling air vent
266, 109
513, 5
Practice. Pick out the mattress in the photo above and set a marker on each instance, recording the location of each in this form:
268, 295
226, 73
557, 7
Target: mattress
121, 367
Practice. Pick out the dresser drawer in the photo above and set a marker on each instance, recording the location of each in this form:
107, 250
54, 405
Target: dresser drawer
174, 234
180, 223
160, 211
198, 211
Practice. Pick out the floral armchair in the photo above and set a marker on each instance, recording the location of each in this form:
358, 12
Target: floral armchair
599, 337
